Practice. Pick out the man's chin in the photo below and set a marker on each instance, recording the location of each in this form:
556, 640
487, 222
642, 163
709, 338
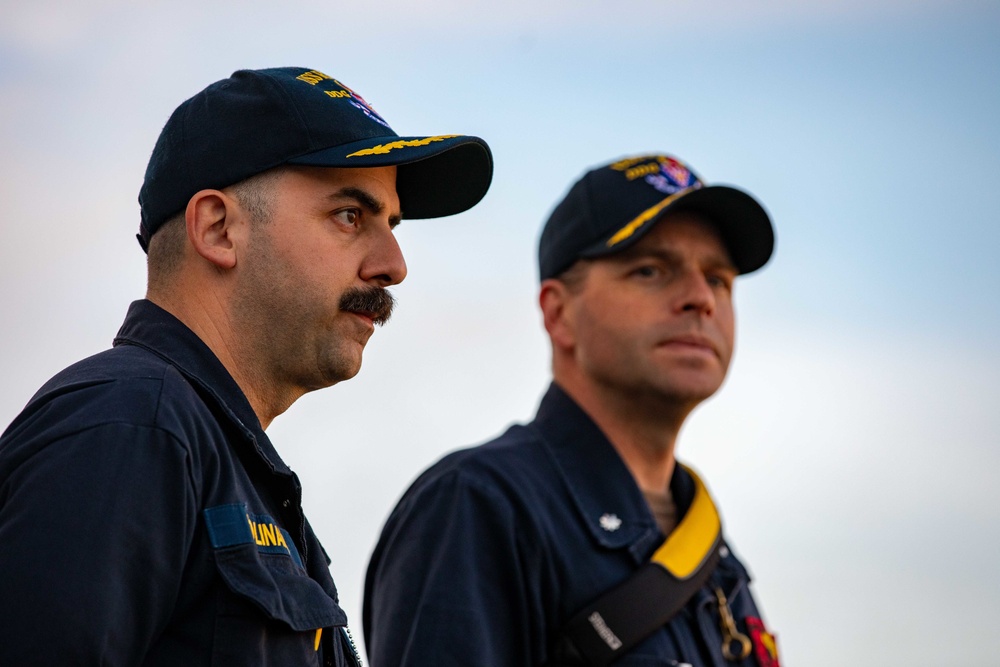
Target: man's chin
344, 373
693, 386
336, 371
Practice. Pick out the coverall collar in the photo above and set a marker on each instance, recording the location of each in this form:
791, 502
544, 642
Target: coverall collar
148, 326
607, 498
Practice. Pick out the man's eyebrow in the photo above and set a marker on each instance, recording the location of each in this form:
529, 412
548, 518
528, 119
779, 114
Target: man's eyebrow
721, 261
366, 199
360, 195
634, 253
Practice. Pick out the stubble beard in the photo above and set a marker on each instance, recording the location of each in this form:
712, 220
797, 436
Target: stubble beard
288, 333
288, 340
659, 392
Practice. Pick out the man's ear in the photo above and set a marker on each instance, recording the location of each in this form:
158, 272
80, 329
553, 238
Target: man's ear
214, 221
554, 298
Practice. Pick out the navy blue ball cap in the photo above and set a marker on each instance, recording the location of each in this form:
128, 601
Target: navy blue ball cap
259, 119
613, 206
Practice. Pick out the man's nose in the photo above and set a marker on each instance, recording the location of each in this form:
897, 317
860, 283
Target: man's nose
696, 294
384, 265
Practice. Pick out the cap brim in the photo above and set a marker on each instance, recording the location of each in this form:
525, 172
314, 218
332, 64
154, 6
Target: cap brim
742, 222
436, 176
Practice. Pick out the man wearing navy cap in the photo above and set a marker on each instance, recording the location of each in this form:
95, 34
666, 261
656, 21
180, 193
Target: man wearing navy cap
578, 539
145, 517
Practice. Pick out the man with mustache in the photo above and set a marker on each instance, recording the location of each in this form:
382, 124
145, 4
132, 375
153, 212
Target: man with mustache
145, 517
578, 539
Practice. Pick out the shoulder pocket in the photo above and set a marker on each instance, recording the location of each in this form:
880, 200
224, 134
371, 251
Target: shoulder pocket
258, 562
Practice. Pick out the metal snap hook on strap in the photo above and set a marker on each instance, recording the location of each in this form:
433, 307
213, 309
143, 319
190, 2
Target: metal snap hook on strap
730, 633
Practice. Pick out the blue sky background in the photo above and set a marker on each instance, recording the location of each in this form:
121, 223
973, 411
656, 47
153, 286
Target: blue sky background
855, 445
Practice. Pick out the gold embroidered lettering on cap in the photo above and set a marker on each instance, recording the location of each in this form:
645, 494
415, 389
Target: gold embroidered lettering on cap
312, 77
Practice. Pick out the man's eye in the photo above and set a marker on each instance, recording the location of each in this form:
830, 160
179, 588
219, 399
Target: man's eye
725, 282
647, 271
348, 216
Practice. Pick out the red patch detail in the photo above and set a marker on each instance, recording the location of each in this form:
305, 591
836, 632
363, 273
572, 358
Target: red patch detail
765, 644
680, 174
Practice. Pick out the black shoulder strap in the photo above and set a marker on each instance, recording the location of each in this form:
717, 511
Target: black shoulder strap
628, 613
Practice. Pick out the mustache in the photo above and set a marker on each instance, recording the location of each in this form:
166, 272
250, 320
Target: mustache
375, 302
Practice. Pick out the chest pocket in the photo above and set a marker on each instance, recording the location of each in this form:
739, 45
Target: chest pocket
269, 609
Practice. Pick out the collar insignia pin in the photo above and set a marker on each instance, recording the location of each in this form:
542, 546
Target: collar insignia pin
610, 522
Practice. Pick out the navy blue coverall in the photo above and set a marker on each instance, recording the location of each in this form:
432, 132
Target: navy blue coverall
146, 519
494, 548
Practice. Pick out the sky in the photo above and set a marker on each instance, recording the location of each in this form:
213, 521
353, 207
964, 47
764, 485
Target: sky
853, 448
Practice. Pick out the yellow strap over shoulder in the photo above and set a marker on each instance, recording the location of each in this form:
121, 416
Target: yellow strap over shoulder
695, 538
626, 614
